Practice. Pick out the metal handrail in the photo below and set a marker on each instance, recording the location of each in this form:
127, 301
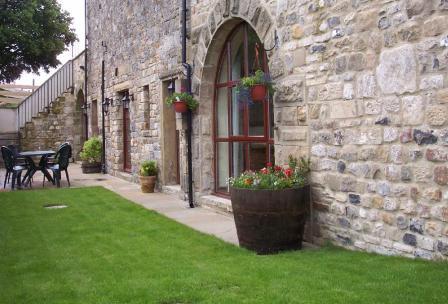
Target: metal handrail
46, 94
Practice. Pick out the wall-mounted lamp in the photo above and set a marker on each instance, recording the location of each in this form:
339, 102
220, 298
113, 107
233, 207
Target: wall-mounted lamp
126, 100
171, 87
85, 107
105, 105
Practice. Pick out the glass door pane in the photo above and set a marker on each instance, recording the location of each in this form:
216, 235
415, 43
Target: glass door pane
255, 51
223, 72
257, 155
222, 149
237, 55
239, 164
222, 113
256, 118
237, 114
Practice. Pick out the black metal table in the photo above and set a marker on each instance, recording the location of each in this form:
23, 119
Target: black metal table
33, 168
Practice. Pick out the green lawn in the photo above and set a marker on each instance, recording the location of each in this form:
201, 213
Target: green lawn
104, 249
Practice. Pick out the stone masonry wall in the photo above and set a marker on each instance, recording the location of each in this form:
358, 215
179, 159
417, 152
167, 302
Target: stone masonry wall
362, 90
62, 123
138, 41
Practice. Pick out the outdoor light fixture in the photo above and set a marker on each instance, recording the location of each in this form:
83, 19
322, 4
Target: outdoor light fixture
126, 100
84, 107
171, 87
107, 102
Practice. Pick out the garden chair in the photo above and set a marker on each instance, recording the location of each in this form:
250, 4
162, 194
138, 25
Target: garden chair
62, 160
19, 161
11, 168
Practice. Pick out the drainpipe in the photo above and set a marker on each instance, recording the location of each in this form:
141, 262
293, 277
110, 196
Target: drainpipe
189, 114
103, 130
85, 66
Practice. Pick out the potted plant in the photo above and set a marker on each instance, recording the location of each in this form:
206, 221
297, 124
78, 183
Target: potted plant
148, 176
270, 206
256, 86
182, 102
91, 156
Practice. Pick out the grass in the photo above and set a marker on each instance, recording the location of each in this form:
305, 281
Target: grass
105, 249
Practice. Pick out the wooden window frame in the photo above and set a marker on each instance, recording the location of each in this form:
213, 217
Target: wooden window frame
245, 139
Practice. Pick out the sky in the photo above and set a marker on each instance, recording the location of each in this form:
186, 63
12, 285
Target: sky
76, 10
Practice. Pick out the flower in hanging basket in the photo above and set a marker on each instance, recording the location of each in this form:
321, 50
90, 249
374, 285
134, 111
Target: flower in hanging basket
182, 102
255, 87
295, 175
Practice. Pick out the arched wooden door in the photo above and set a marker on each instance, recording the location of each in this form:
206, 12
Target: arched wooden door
243, 131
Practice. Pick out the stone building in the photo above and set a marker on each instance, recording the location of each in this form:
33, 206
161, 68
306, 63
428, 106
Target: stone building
361, 88
53, 114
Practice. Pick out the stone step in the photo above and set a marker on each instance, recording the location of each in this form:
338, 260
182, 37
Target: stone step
219, 204
125, 176
175, 190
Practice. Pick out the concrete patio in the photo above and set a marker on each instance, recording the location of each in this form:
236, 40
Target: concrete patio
201, 219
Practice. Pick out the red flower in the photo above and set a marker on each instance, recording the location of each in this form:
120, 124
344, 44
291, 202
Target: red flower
268, 165
288, 172
264, 171
278, 168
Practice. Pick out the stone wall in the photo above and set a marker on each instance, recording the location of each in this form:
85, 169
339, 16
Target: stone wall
62, 123
361, 89
139, 42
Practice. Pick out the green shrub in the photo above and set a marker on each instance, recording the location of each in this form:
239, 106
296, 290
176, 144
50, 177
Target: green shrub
259, 78
148, 168
191, 102
91, 151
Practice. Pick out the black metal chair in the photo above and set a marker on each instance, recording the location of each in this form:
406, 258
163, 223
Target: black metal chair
19, 161
62, 159
11, 168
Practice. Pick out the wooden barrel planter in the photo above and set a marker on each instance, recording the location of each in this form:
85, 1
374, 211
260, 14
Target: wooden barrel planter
270, 221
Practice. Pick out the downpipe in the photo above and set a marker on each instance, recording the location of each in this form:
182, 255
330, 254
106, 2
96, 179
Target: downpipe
189, 113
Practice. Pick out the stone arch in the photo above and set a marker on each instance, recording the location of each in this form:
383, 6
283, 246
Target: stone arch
80, 119
208, 42
222, 18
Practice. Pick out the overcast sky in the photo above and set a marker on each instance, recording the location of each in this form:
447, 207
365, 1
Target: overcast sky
76, 10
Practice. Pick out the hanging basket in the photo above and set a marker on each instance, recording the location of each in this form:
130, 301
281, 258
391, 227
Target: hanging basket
180, 106
258, 92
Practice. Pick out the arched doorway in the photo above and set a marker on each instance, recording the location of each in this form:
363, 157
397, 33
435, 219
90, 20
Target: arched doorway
243, 130
81, 117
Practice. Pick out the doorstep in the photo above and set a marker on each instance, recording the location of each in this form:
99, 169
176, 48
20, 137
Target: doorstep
175, 190
125, 176
217, 203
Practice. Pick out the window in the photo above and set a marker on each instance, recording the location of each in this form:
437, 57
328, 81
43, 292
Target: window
243, 131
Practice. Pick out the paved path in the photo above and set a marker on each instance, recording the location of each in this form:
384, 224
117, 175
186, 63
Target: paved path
201, 219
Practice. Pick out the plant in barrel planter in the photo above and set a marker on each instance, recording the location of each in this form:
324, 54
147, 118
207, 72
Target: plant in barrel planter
182, 102
148, 176
255, 87
270, 206
91, 156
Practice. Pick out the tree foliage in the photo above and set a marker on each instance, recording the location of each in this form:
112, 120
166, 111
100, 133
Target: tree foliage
32, 34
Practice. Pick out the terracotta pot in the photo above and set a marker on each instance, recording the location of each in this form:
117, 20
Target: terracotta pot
148, 183
270, 221
88, 168
180, 106
258, 92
